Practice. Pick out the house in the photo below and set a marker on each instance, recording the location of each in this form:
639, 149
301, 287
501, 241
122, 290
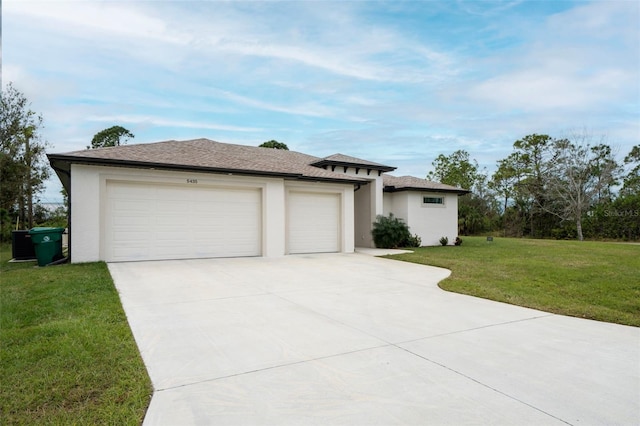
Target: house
200, 199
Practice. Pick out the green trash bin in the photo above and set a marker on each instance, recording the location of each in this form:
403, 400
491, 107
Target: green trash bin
48, 244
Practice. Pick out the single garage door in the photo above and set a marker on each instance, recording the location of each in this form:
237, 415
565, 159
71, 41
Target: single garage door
313, 222
153, 222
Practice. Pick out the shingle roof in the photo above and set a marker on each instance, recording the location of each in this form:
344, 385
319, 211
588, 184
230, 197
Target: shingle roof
346, 160
207, 155
210, 156
410, 183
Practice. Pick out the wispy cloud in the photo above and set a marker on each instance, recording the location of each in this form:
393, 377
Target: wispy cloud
376, 54
162, 122
388, 81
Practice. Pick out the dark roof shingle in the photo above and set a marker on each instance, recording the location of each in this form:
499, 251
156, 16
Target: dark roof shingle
346, 160
207, 155
407, 183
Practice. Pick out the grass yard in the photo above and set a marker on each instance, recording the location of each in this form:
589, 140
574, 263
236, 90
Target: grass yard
67, 353
594, 280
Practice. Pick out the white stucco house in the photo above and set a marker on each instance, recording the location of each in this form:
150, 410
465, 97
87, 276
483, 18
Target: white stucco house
201, 199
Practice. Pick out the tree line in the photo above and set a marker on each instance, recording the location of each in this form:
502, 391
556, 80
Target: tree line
567, 188
23, 165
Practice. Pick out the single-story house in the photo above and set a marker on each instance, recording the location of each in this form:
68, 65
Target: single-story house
200, 198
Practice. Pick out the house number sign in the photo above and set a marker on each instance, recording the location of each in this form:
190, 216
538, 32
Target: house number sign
192, 180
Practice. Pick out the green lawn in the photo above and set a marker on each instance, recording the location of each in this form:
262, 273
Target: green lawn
67, 353
595, 280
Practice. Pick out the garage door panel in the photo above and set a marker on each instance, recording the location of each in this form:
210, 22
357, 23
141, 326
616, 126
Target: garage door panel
131, 222
131, 253
149, 221
170, 207
165, 221
170, 235
131, 205
132, 236
313, 222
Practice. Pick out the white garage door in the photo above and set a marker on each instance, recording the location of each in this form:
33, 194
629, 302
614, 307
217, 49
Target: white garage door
313, 223
153, 222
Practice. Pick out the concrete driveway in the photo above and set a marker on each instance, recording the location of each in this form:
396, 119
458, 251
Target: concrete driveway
354, 339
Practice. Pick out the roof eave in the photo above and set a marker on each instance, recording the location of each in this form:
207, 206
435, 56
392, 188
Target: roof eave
332, 180
458, 191
62, 162
323, 163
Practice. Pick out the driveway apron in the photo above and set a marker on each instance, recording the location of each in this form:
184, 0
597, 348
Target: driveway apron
347, 339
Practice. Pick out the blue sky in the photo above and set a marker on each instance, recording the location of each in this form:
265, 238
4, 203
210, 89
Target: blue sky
392, 82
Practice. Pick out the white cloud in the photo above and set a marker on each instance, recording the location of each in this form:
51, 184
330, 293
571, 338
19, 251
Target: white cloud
577, 67
542, 89
87, 17
375, 54
384, 81
311, 109
486, 8
161, 122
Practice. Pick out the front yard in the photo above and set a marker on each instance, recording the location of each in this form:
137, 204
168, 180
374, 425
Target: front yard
68, 356
595, 280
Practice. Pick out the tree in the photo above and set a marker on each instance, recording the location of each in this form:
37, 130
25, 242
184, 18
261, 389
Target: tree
112, 136
274, 144
631, 182
23, 166
534, 152
506, 182
475, 210
456, 169
606, 170
577, 177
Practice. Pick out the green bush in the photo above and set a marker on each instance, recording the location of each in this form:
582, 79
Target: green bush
444, 241
567, 232
390, 232
414, 241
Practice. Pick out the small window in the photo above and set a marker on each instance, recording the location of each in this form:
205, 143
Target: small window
433, 200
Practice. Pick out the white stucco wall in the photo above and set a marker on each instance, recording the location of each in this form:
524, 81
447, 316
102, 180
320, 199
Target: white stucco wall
88, 202
363, 220
396, 203
273, 219
429, 221
368, 204
85, 214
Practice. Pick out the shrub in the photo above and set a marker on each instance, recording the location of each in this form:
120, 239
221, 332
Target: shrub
414, 241
390, 232
458, 241
566, 232
444, 241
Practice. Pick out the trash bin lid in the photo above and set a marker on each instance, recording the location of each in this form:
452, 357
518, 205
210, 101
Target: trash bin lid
45, 230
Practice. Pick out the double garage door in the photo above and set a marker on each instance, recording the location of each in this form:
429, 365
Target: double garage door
155, 222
